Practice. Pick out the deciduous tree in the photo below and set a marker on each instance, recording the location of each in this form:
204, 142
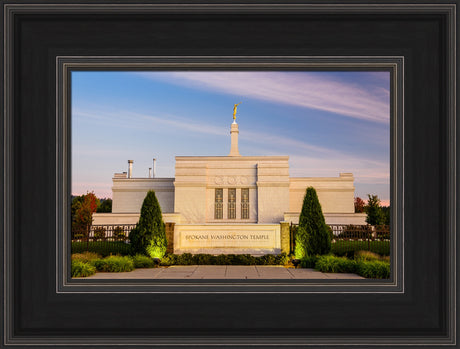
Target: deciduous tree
374, 212
386, 214
82, 209
359, 205
105, 206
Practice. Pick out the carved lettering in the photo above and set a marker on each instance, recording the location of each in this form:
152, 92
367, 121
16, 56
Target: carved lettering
226, 236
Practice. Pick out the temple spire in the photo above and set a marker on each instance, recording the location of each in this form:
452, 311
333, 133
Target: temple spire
234, 134
234, 112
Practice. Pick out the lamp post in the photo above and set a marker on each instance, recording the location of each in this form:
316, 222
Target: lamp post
156, 261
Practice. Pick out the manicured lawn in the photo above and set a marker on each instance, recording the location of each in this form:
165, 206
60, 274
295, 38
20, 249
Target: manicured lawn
104, 248
347, 247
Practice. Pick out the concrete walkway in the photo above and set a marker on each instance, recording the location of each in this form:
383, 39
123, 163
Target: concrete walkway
223, 272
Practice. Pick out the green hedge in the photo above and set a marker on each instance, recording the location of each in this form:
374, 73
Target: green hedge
87, 263
82, 269
85, 257
373, 269
114, 264
308, 261
223, 259
348, 248
141, 261
104, 248
333, 264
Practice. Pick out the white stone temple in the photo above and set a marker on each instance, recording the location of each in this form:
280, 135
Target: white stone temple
230, 204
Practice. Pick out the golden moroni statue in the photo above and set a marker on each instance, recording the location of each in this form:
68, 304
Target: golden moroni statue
234, 110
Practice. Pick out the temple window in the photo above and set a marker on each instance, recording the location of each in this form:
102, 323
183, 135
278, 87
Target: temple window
219, 202
245, 203
231, 203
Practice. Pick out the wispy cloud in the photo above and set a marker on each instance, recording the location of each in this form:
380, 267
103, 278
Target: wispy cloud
309, 90
131, 120
175, 123
284, 142
321, 161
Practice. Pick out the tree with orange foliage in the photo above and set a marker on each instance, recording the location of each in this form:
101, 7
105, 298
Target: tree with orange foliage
83, 207
359, 205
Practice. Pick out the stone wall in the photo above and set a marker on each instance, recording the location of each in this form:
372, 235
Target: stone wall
285, 237
273, 190
331, 218
128, 194
169, 229
254, 239
335, 194
129, 218
197, 177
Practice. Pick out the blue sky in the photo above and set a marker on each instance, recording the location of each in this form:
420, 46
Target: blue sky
327, 122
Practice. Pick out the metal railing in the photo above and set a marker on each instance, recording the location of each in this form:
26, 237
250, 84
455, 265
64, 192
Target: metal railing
106, 232
357, 232
347, 238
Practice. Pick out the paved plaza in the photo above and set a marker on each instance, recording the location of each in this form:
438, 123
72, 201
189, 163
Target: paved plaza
224, 272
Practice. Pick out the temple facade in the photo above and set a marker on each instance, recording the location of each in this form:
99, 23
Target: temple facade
230, 204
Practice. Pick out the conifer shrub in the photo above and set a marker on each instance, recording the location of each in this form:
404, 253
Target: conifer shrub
157, 247
149, 236
308, 261
301, 238
313, 236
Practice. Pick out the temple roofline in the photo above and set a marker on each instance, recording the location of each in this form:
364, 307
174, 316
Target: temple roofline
235, 158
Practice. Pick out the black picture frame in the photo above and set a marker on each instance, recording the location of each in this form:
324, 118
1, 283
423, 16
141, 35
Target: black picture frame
66, 65
40, 309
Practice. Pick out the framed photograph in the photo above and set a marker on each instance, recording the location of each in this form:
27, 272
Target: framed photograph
274, 185
76, 83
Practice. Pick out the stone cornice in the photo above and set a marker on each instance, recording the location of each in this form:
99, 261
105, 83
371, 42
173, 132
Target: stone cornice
324, 189
273, 184
144, 179
322, 179
232, 158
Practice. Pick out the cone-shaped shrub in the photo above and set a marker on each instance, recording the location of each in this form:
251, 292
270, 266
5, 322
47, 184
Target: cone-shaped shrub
312, 237
149, 232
